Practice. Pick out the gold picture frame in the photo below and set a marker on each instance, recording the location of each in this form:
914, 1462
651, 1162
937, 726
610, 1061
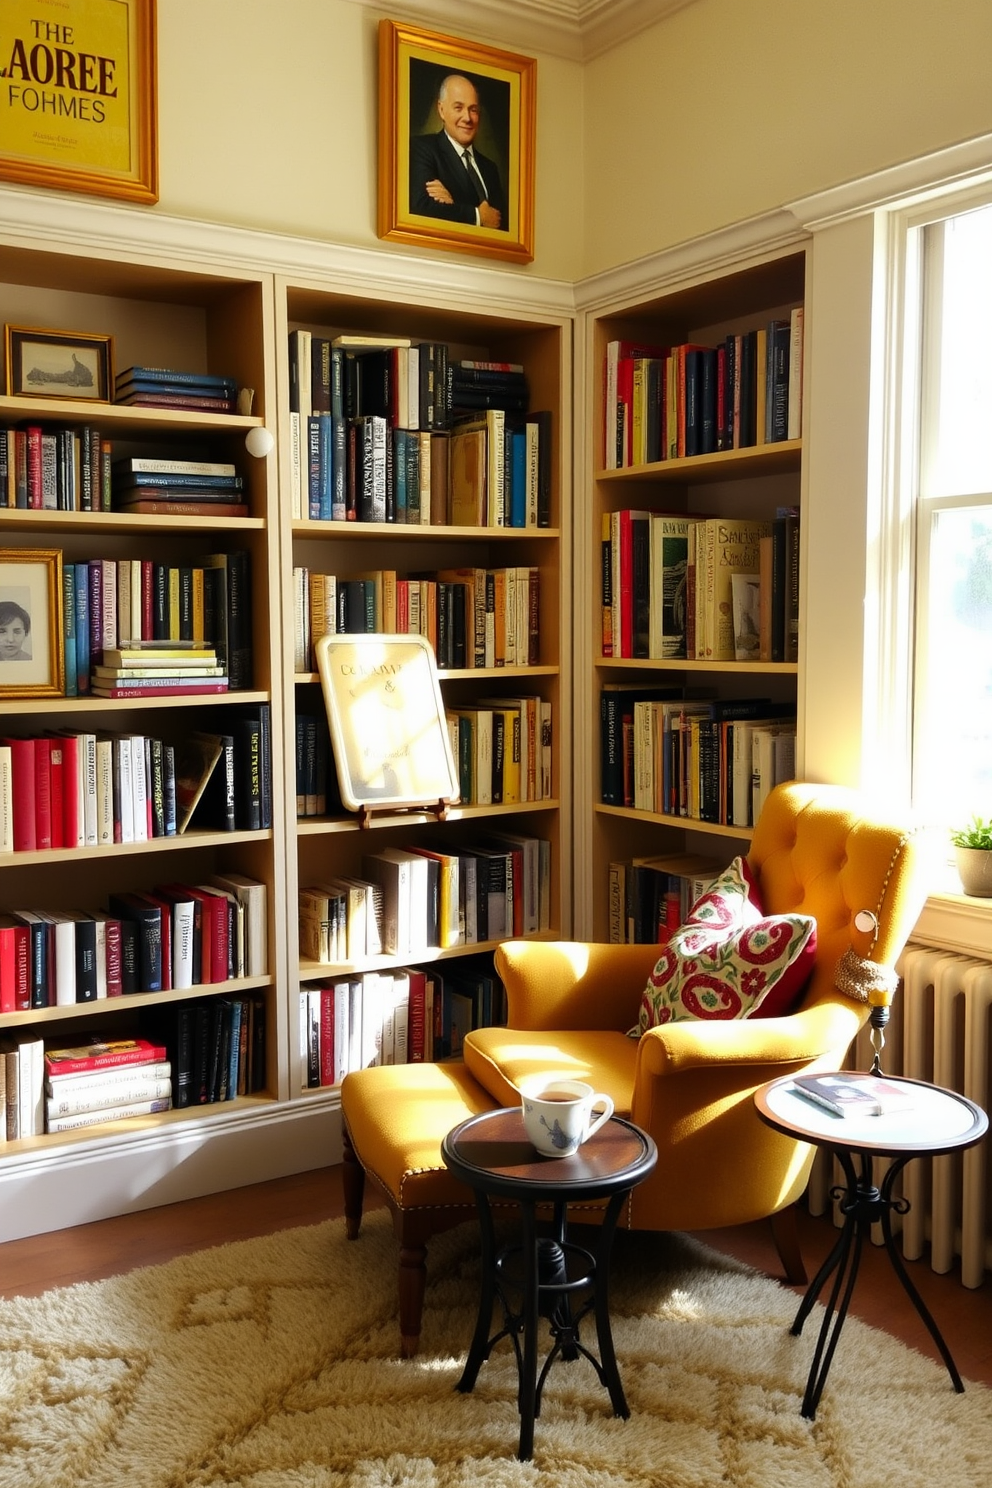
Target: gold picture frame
386, 720
78, 109
32, 645
58, 364
438, 210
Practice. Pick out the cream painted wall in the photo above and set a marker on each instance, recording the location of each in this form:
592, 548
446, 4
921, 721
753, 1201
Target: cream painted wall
731, 108
267, 118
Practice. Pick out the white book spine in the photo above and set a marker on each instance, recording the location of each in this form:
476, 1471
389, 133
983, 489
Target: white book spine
108, 1113
104, 791
99, 1097
87, 759
182, 944
340, 1031
139, 787
125, 787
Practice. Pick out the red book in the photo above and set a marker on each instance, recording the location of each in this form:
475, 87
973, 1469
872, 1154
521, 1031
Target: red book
33, 432
214, 938
114, 978
22, 792
73, 834
8, 964
417, 1026
42, 792
148, 506
180, 689
83, 1058
57, 763
327, 1035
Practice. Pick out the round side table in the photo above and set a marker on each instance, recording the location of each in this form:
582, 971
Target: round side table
493, 1155
938, 1121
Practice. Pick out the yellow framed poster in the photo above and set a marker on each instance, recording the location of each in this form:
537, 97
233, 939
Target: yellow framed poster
77, 96
386, 720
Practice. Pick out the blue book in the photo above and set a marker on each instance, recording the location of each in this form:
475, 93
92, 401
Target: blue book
156, 376
69, 627
337, 382
414, 512
401, 472
82, 627
516, 506
313, 465
155, 481
235, 1057
325, 457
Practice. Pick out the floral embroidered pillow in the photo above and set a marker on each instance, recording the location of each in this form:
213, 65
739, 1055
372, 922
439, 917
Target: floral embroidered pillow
729, 959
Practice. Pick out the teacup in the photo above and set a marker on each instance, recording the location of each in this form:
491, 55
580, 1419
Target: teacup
558, 1113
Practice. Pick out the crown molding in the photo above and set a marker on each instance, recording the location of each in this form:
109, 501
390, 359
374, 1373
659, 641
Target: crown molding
709, 255
577, 30
57, 223
902, 186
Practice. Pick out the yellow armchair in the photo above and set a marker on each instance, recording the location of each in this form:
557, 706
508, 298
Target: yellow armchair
816, 850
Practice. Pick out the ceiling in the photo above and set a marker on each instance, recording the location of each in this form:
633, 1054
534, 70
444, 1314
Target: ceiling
574, 29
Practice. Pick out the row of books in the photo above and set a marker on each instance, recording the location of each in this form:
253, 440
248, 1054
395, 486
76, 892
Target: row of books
405, 1016
672, 402
650, 897
158, 486
217, 1046
173, 937
316, 788
473, 617
77, 789
416, 386
502, 748
713, 762
44, 468
168, 387
490, 470
112, 605
410, 901
35, 1101
700, 588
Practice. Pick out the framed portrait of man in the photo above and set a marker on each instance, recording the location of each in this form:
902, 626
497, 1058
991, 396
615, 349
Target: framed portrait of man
456, 144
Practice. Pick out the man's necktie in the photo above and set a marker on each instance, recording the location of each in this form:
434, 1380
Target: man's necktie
473, 175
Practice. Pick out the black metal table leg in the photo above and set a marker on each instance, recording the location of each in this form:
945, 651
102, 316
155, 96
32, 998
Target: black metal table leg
901, 1206
527, 1396
481, 1344
609, 1372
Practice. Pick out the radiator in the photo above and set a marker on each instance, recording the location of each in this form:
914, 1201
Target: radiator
940, 1030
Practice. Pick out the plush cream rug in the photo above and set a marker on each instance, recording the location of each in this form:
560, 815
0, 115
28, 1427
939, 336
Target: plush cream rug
271, 1364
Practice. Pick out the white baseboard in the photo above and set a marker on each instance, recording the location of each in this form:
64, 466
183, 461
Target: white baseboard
53, 1188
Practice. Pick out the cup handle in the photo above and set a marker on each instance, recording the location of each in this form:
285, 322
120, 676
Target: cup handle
597, 1100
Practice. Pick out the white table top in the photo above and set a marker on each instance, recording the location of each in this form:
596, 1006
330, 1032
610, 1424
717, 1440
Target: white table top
938, 1121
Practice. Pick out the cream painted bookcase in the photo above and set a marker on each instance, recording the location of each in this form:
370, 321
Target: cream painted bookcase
326, 847
685, 304
194, 296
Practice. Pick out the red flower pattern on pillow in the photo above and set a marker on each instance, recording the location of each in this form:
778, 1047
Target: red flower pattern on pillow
727, 958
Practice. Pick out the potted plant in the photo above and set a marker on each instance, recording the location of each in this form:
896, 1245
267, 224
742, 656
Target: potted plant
973, 853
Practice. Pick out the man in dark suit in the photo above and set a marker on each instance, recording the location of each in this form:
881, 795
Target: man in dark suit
449, 178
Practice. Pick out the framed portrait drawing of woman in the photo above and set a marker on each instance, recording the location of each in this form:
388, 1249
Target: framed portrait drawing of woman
456, 144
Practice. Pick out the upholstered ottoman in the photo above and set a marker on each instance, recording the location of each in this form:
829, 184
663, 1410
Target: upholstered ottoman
395, 1117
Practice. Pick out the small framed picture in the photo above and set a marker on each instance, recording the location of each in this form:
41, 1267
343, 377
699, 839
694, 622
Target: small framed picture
59, 364
456, 144
386, 720
32, 654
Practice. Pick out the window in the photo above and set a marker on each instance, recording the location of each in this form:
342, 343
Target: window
952, 702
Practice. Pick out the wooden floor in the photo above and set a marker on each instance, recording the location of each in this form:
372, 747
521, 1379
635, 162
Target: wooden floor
91, 1252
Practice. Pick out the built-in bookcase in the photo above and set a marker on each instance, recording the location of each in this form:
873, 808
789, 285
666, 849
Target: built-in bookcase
334, 844
753, 482
159, 314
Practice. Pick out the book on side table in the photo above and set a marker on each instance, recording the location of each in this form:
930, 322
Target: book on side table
855, 1094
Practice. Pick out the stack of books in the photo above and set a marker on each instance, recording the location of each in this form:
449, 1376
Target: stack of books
98, 1082
475, 385
159, 669
164, 387
163, 487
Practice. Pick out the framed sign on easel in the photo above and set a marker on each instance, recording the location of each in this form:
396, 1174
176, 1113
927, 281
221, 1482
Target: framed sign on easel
386, 719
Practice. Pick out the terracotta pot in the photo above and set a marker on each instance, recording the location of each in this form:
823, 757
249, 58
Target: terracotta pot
975, 870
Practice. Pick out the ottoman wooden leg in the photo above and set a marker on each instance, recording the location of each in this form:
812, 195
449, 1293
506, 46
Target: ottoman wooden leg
353, 1184
413, 1282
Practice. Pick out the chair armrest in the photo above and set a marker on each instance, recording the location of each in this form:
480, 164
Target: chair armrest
570, 984
794, 1040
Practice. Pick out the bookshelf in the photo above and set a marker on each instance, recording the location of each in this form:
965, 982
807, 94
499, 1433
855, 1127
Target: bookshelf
743, 483
161, 312
333, 844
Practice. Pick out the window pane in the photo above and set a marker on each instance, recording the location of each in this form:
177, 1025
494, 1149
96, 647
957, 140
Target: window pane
955, 764
961, 453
